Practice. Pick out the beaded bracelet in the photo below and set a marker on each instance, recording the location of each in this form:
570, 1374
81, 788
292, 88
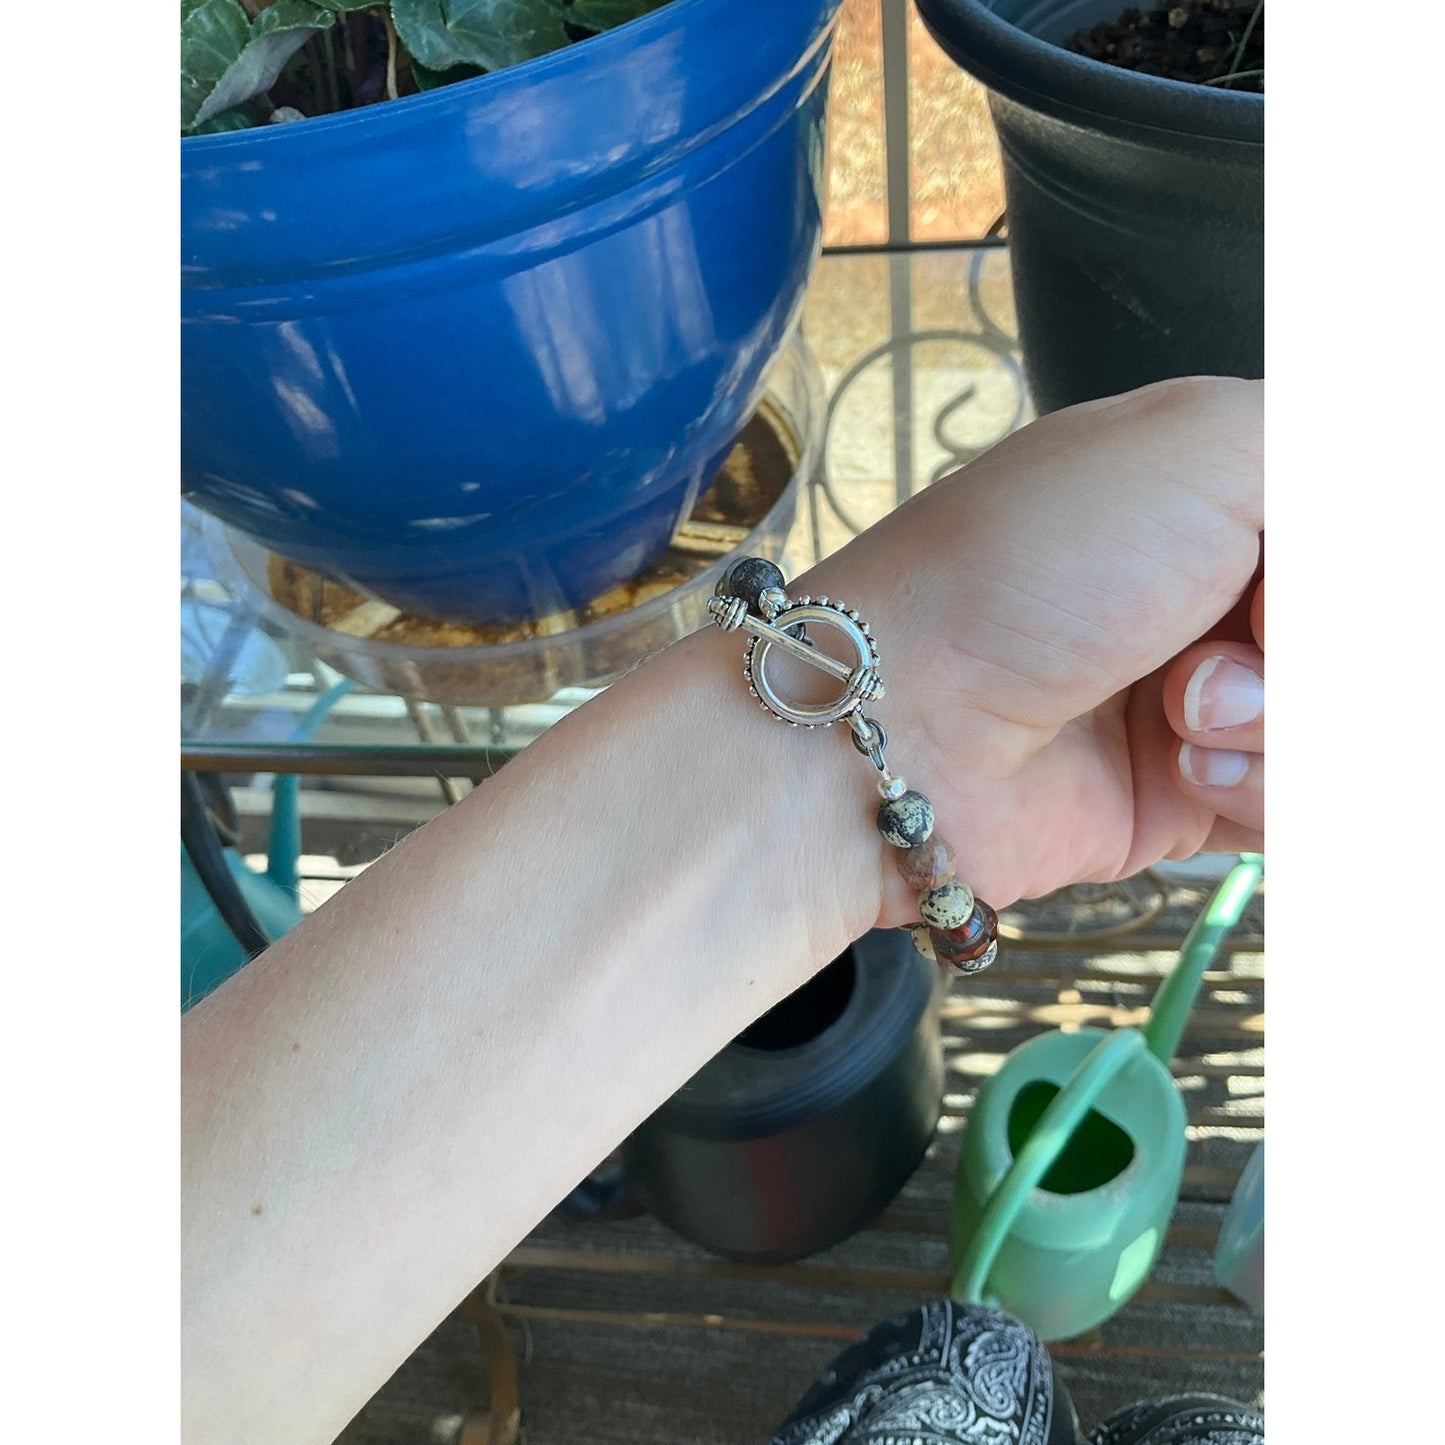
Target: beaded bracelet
959, 931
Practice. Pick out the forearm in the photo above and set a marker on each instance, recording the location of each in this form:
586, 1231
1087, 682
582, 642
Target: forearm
423, 1068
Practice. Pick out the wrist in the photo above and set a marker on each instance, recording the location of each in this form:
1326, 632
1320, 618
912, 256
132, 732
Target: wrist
786, 811
939, 743
834, 791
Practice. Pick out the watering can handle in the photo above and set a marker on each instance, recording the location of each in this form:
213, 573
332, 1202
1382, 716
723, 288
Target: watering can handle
1045, 1143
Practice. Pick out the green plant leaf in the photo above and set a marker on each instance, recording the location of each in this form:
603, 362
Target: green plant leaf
277, 33
213, 35
226, 58
491, 34
292, 15
608, 14
346, 7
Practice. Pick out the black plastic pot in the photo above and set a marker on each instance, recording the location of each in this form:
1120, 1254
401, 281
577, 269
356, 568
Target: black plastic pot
805, 1127
1135, 204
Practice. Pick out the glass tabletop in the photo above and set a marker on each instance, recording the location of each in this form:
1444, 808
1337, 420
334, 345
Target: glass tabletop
920, 374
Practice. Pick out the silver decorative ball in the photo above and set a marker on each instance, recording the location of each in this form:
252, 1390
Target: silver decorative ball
771, 601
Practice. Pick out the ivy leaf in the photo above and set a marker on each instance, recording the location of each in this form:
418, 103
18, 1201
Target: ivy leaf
279, 31
492, 34
213, 35
285, 15
347, 7
608, 14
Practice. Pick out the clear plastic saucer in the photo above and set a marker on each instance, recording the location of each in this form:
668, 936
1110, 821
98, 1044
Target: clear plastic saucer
561, 651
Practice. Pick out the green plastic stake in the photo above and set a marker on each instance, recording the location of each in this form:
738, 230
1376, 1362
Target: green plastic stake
1169, 1012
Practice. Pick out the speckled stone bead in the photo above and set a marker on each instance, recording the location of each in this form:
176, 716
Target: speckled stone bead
971, 940
907, 821
928, 866
948, 906
922, 942
750, 576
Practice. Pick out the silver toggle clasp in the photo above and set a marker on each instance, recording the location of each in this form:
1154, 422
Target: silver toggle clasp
787, 631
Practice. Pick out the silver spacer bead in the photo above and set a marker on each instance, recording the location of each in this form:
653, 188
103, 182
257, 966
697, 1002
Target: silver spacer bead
891, 788
963, 970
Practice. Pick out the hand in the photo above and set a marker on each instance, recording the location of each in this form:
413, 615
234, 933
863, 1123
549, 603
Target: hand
1042, 614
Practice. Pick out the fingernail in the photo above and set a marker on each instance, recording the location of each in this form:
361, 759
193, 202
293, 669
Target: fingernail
1222, 694
1212, 767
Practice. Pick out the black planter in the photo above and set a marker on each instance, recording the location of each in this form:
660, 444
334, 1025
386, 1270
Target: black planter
803, 1128
1135, 205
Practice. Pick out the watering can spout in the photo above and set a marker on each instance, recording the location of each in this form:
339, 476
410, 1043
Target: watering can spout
1169, 1012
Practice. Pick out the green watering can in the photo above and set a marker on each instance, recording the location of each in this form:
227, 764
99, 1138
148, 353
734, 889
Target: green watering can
1072, 1157
210, 952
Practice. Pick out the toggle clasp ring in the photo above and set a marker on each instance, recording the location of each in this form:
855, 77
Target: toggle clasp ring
862, 683
957, 931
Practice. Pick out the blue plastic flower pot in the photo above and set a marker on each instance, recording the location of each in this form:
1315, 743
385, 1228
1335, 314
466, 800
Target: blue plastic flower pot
476, 351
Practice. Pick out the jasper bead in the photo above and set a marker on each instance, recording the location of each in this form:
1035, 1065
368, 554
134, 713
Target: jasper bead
949, 906
923, 943
969, 942
928, 866
907, 821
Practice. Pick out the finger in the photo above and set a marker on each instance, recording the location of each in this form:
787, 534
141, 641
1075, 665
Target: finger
1230, 783
1228, 837
1214, 696
1256, 616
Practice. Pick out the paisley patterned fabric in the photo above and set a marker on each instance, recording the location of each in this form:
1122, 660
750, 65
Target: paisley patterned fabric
954, 1374
1189, 1420
945, 1374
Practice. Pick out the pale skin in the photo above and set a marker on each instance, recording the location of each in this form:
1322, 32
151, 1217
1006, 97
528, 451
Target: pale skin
380, 1107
